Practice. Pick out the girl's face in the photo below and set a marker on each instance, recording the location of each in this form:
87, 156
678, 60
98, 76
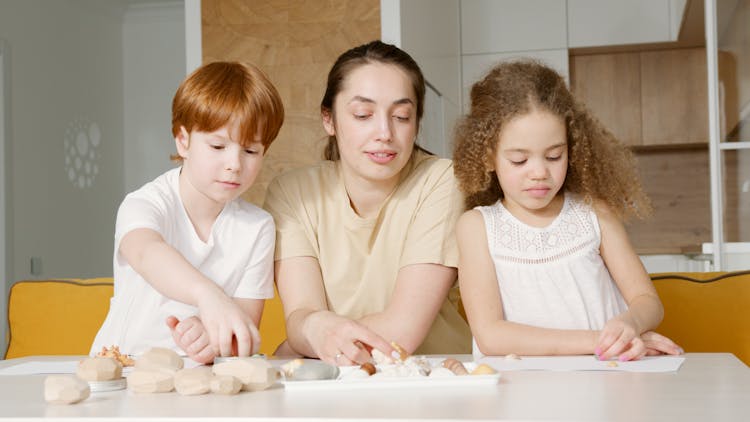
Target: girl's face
374, 120
215, 166
531, 163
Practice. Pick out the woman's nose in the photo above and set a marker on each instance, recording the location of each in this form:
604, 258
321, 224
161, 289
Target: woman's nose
385, 132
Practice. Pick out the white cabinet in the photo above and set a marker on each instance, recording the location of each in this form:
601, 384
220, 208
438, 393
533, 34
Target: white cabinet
593, 23
495, 26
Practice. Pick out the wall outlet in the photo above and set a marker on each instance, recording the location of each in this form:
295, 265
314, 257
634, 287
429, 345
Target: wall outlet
36, 265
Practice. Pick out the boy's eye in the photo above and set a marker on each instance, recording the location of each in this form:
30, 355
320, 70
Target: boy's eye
217, 147
251, 151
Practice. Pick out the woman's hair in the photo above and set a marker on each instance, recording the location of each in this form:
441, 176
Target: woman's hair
599, 166
221, 93
372, 52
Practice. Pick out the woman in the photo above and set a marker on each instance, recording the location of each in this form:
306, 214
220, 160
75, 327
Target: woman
365, 251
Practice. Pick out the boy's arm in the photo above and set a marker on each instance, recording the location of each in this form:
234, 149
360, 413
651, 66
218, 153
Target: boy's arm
174, 277
645, 310
480, 294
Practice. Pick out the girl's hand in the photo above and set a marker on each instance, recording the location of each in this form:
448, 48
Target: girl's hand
190, 335
341, 341
620, 338
225, 322
657, 344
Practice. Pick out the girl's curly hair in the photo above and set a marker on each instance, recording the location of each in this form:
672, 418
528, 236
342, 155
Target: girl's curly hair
599, 166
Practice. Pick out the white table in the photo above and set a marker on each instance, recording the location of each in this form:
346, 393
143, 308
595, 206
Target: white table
708, 387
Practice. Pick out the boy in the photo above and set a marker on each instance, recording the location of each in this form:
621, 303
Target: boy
188, 250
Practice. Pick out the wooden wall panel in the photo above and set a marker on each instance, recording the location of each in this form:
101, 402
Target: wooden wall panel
610, 86
295, 43
677, 181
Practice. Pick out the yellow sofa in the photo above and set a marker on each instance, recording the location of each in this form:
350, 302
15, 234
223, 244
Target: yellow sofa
61, 317
707, 312
704, 312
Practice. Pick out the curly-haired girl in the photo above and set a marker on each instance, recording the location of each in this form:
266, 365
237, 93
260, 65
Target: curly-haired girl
545, 265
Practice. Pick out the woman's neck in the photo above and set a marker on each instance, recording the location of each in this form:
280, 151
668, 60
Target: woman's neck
366, 196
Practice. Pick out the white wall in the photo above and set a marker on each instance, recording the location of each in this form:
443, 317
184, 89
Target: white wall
154, 65
85, 75
429, 30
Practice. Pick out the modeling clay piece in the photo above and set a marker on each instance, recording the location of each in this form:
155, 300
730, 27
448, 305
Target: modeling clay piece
193, 381
99, 369
254, 373
150, 381
315, 370
512, 356
401, 352
455, 366
160, 359
65, 389
483, 369
368, 368
225, 384
114, 352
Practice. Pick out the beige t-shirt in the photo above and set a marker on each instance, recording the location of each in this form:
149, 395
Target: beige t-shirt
360, 257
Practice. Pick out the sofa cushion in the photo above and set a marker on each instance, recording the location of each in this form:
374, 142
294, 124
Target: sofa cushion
707, 312
62, 317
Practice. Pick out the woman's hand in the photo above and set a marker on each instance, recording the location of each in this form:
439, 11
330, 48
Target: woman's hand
341, 341
190, 335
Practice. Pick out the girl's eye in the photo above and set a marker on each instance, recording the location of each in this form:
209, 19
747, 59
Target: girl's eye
517, 163
554, 158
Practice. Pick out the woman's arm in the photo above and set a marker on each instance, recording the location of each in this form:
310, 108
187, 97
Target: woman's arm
481, 297
645, 310
420, 291
313, 330
173, 276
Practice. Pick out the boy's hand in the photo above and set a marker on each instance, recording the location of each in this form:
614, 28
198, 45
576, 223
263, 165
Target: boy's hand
190, 335
225, 322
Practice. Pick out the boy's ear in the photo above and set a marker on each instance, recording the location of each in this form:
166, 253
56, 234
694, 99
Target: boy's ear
182, 142
328, 123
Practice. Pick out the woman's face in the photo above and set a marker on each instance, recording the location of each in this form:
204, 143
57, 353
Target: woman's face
375, 123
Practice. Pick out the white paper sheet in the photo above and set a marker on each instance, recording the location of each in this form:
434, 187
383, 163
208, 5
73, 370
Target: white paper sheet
584, 363
61, 367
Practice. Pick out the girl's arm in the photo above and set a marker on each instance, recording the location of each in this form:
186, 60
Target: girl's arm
173, 276
481, 297
645, 310
313, 330
420, 291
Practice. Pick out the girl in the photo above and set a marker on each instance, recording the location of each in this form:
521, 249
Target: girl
545, 265
366, 250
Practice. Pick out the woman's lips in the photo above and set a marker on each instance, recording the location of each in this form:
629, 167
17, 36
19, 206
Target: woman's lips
381, 157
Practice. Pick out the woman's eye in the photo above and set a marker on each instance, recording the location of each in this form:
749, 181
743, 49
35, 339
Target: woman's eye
402, 118
361, 116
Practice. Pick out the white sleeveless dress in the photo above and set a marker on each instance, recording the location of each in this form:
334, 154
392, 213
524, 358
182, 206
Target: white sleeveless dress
552, 277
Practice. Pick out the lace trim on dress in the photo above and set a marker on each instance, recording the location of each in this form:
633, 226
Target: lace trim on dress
546, 259
512, 240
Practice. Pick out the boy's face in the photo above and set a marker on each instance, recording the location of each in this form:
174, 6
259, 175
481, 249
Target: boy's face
216, 166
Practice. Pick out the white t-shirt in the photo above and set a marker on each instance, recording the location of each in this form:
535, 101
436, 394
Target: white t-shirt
238, 256
552, 277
